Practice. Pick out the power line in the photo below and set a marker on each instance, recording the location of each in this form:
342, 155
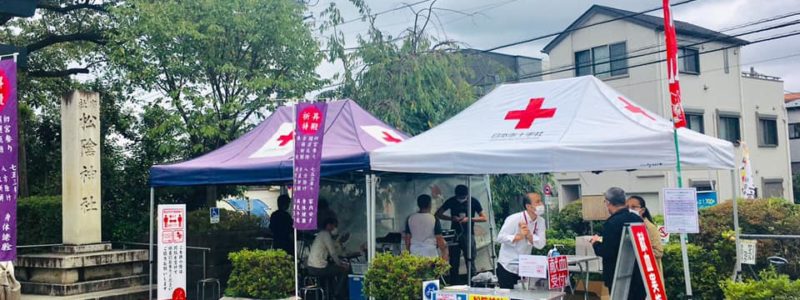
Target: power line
386, 11
583, 27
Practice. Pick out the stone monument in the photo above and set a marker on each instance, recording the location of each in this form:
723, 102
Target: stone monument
84, 267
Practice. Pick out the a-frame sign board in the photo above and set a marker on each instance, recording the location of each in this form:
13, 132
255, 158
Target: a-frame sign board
636, 243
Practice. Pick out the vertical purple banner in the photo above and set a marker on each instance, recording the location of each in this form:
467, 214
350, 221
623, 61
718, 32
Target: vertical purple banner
8, 160
310, 128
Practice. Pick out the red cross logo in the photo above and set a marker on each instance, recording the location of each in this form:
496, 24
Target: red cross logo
390, 138
531, 113
635, 109
285, 139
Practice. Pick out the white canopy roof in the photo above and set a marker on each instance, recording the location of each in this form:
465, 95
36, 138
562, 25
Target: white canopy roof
568, 125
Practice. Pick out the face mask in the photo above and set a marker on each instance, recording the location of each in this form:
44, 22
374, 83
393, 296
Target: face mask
540, 210
335, 231
633, 211
462, 200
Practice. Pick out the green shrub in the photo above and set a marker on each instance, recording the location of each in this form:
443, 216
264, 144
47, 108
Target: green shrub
567, 249
401, 277
568, 223
39, 220
704, 271
200, 221
770, 286
262, 274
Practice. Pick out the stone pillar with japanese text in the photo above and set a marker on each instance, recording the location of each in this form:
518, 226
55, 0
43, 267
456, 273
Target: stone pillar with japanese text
80, 168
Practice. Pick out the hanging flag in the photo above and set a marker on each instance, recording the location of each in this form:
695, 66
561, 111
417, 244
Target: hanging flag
9, 160
678, 117
310, 128
746, 172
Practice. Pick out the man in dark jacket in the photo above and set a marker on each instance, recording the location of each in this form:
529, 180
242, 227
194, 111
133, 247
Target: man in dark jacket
607, 247
282, 226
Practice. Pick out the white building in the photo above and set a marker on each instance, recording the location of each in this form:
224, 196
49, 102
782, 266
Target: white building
720, 100
792, 101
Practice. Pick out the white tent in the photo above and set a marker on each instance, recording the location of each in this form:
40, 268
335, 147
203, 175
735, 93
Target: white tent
568, 125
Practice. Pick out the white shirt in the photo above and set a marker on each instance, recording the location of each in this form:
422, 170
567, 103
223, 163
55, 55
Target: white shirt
510, 250
322, 248
423, 228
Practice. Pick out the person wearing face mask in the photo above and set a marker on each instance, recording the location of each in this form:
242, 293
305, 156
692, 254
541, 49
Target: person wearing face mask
638, 206
520, 233
607, 247
323, 259
459, 207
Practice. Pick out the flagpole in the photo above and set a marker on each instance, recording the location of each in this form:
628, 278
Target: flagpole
678, 120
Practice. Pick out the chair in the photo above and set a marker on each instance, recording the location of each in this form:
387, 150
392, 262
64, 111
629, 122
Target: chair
311, 284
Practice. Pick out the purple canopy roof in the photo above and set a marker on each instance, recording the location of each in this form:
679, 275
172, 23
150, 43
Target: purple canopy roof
264, 154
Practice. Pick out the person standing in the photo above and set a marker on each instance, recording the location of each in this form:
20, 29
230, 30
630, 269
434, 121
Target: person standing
520, 233
607, 247
282, 226
423, 232
465, 236
638, 206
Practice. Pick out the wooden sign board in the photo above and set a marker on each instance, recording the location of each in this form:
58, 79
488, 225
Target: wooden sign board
594, 208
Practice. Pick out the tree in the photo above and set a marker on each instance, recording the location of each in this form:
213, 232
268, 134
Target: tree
215, 64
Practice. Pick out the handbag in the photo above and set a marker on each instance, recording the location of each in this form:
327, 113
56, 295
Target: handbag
10, 289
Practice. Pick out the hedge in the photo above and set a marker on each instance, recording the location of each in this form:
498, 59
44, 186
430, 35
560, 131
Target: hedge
400, 277
261, 274
39, 220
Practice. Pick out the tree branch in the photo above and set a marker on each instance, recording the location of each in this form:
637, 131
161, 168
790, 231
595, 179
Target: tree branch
58, 73
66, 9
94, 37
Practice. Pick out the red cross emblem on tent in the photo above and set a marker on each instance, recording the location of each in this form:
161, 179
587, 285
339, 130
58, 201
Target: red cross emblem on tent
635, 109
383, 135
285, 139
532, 112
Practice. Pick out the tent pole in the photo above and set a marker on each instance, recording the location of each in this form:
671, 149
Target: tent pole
150, 250
470, 238
737, 269
371, 179
492, 254
687, 277
296, 268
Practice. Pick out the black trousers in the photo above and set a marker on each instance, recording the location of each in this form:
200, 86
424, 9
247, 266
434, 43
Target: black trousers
339, 277
506, 279
455, 256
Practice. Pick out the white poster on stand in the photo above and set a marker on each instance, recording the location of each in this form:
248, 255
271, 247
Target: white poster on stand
680, 210
172, 252
533, 266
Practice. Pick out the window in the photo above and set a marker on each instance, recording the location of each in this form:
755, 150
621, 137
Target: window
703, 185
767, 131
602, 61
729, 129
688, 60
694, 121
794, 131
773, 188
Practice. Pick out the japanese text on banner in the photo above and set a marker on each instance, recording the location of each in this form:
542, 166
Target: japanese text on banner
309, 130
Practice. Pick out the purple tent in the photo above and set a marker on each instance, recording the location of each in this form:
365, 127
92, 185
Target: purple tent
264, 154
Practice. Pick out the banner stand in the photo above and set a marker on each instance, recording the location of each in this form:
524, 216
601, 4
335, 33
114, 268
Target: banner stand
636, 243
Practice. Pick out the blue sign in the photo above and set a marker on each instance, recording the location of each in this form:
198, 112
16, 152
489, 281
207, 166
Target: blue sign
430, 288
214, 215
706, 199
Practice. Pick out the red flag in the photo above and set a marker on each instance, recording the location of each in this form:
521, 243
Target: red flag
678, 118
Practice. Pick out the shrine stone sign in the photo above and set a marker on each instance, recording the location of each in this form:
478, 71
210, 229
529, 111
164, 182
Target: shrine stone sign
80, 166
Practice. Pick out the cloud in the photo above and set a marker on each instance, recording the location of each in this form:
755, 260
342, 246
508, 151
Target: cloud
485, 24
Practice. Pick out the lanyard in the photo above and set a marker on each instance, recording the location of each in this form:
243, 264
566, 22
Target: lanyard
535, 225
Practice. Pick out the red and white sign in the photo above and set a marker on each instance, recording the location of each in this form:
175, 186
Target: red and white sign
384, 135
172, 252
647, 263
558, 272
678, 117
280, 144
548, 191
663, 234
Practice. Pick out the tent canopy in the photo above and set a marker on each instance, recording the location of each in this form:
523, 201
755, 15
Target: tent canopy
265, 154
567, 125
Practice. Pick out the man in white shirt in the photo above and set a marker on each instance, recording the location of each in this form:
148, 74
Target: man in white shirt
520, 233
423, 232
323, 259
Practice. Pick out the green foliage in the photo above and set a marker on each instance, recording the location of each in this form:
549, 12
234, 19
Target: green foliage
31, 213
705, 267
774, 216
261, 274
400, 277
506, 190
569, 223
771, 285
217, 63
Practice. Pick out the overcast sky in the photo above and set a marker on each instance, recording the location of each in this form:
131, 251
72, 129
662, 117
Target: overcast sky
499, 22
